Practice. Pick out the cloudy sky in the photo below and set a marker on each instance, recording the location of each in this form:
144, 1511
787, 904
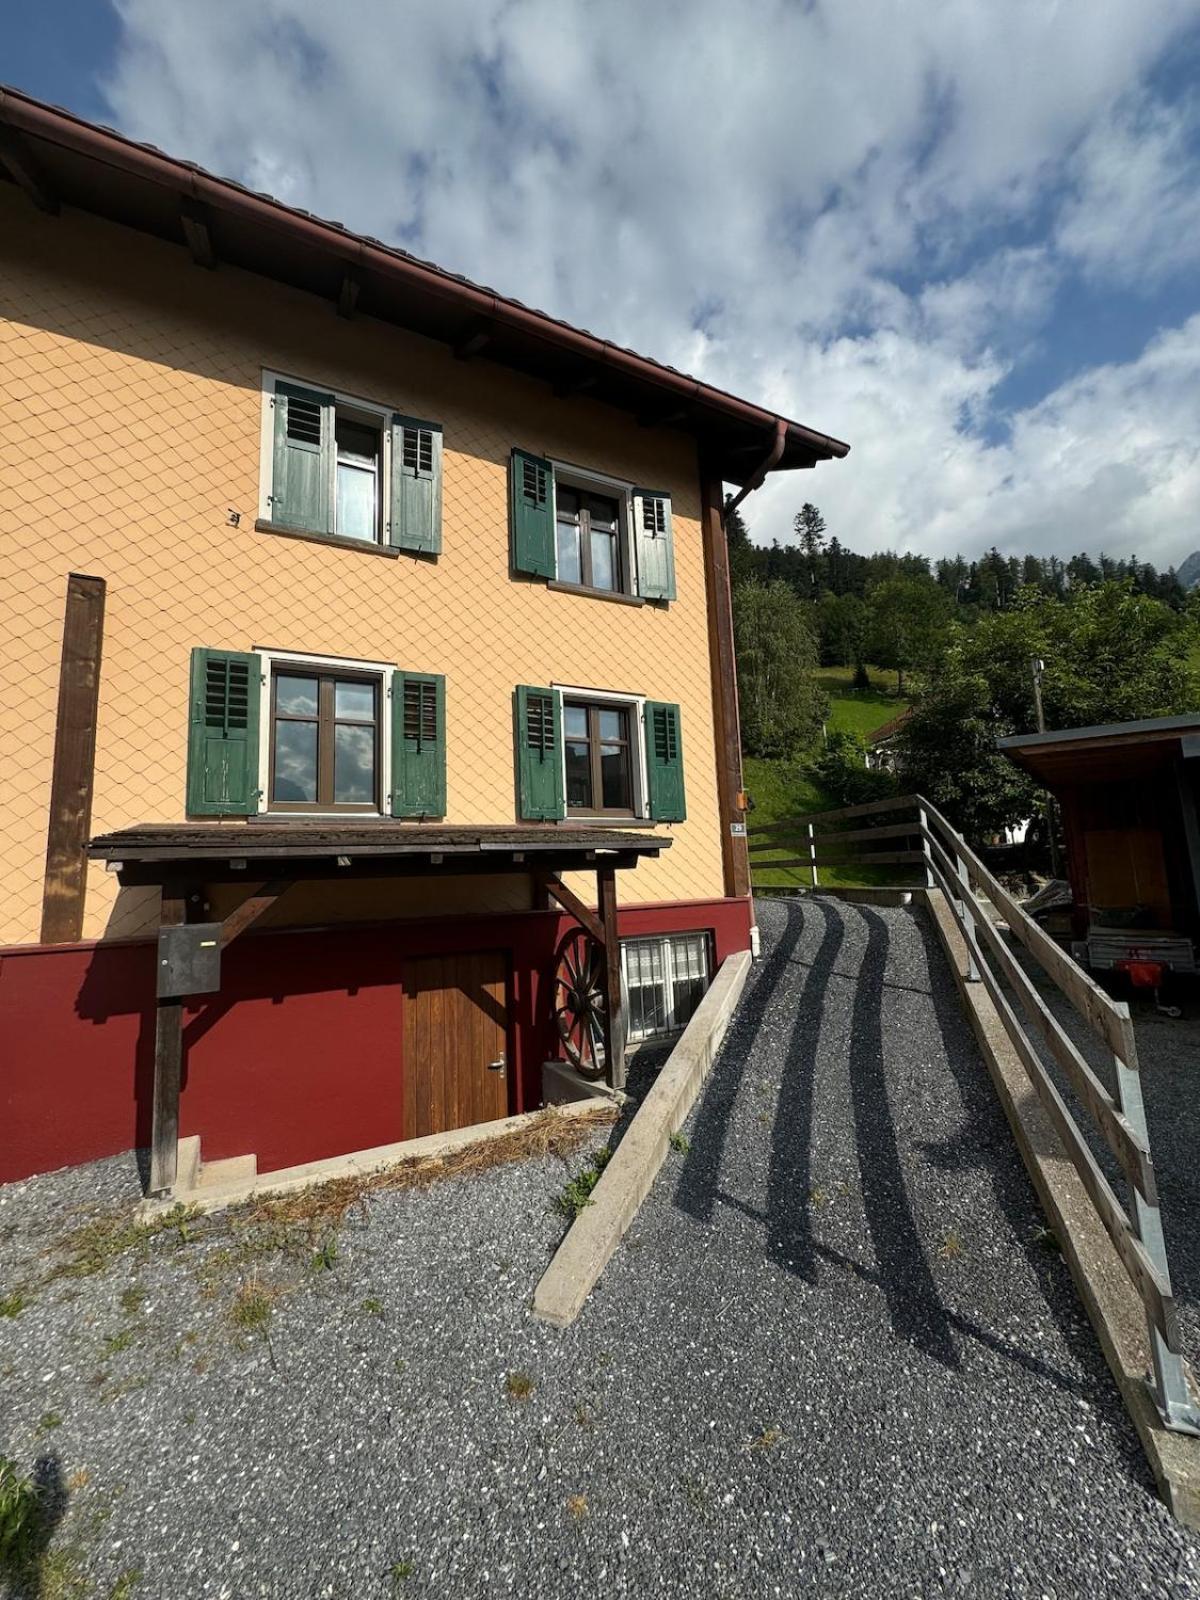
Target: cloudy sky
963, 235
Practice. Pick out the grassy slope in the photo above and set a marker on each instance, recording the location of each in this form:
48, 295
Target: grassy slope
783, 789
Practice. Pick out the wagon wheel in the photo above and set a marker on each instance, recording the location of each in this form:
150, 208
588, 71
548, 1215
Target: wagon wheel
579, 1008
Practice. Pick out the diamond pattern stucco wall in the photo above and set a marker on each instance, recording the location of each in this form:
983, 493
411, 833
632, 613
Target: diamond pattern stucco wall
129, 424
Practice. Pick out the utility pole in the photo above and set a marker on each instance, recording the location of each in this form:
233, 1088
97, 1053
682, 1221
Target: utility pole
1039, 667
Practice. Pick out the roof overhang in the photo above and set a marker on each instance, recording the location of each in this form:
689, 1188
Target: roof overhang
216, 852
61, 160
1107, 753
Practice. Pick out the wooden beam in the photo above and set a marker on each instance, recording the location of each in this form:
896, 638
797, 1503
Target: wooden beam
253, 907
723, 672
168, 1064
348, 293
197, 231
475, 337
64, 889
615, 1021
26, 172
664, 419
572, 903
576, 382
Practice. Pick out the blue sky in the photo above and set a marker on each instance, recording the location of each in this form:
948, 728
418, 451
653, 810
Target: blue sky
963, 236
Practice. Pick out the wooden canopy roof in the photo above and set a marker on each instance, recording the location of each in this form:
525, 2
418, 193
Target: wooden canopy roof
154, 852
61, 160
1108, 752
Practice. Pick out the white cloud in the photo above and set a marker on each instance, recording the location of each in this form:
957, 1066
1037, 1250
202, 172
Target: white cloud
805, 204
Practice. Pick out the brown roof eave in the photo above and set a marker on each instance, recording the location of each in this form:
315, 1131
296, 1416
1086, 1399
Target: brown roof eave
53, 126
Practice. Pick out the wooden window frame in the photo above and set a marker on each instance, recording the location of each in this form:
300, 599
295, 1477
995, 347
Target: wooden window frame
352, 408
592, 709
327, 674
580, 480
583, 521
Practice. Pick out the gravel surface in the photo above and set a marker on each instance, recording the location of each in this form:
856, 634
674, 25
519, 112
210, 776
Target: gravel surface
829, 1359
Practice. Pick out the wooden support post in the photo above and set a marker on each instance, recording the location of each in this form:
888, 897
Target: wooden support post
168, 1064
65, 886
615, 1021
723, 670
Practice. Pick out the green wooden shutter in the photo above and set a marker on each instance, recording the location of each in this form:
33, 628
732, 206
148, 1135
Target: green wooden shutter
531, 492
539, 755
664, 762
222, 779
418, 744
302, 475
415, 522
655, 544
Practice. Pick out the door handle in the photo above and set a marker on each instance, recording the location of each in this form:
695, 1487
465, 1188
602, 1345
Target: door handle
498, 1065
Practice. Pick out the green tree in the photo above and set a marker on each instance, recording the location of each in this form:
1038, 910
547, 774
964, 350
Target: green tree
782, 705
906, 622
843, 624
741, 551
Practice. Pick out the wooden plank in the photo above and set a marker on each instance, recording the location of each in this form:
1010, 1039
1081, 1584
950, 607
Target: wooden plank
64, 889
903, 830
348, 293
1129, 1147
168, 1066
864, 859
866, 809
1155, 1294
571, 902
1106, 1017
251, 909
614, 1012
196, 221
735, 863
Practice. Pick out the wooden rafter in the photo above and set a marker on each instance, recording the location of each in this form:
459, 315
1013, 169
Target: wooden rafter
27, 174
475, 337
348, 293
197, 230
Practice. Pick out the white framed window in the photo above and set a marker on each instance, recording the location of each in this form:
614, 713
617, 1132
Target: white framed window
594, 546
666, 976
603, 752
325, 735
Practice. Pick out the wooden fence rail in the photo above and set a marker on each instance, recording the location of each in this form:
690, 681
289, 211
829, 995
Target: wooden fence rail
951, 866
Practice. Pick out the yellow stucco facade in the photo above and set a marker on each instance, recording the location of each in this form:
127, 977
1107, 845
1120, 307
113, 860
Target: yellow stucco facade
130, 426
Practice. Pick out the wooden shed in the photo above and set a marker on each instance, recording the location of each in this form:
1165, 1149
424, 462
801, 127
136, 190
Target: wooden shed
1129, 793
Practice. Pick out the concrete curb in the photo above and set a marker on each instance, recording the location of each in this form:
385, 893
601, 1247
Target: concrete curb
1110, 1299
626, 1180
361, 1163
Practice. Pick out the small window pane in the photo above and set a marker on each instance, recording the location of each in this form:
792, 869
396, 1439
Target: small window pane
295, 697
354, 701
355, 502
614, 775
295, 762
603, 513
353, 765
604, 560
612, 724
579, 776
575, 722
356, 441
570, 565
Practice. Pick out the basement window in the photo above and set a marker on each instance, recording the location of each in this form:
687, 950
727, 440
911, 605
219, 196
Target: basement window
666, 976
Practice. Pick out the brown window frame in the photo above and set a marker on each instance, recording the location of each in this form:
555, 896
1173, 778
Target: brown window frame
583, 521
326, 723
593, 708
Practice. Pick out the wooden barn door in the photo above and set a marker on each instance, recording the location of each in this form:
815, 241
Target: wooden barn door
455, 1042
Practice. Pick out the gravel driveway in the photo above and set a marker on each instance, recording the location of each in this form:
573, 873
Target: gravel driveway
832, 1357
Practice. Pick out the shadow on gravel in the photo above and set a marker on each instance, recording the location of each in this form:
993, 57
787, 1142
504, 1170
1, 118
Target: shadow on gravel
696, 1191
914, 1305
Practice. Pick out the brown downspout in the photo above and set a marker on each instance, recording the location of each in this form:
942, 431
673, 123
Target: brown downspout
731, 801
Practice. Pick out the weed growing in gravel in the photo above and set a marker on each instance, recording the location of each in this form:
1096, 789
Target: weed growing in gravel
325, 1259
252, 1304
116, 1342
577, 1505
62, 1577
123, 1588
400, 1570
132, 1299
373, 1306
767, 1439
12, 1305
951, 1247
1048, 1240
19, 1520
818, 1197
91, 1247
518, 1386
681, 1142
48, 1421
578, 1192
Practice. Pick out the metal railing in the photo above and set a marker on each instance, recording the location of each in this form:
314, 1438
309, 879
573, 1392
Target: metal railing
1118, 1113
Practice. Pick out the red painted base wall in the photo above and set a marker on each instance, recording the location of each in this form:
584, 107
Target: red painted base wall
299, 1056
